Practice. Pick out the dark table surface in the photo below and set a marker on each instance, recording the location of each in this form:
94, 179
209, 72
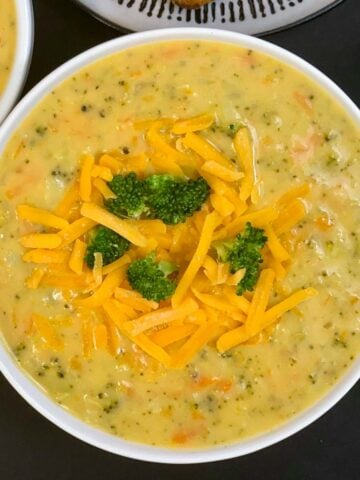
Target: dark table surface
32, 448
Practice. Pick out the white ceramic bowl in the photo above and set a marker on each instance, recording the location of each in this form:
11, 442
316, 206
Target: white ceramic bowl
21, 63
36, 397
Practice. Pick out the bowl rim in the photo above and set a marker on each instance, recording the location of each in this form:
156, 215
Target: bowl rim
35, 396
22, 57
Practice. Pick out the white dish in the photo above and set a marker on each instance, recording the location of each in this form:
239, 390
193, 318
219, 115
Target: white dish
34, 395
253, 17
20, 67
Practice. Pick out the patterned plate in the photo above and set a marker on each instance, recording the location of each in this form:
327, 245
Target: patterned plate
246, 16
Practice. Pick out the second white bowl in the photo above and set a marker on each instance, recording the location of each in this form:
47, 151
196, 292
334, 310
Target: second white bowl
21, 63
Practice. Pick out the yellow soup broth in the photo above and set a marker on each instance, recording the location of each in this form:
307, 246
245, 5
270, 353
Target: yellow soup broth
7, 40
301, 137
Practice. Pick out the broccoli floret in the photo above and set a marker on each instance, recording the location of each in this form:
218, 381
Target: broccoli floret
111, 245
244, 252
172, 199
150, 278
130, 196
169, 198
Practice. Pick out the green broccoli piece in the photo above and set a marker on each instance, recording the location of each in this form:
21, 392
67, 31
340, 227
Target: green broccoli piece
169, 198
150, 278
130, 196
111, 245
244, 252
172, 199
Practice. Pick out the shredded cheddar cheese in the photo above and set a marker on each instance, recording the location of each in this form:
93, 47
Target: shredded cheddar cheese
41, 255
63, 281
289, 217
47, 332
260, 218
205, 150
197, 340
97, 270
204, 307
224, 173
114, 340
105, 290
160, 145
110, 162
41, 240
172, 334
102, 187
99, 171
217, 185
201, 122
261, 297
87, 336
144, 342
161, 317
275, 247
37, 215
76, 261
117, 264
85, 178
222, 205
69, 201
76, 230
295, 192
210, 223
33, 281
237, 301
100, 335
244, 150
120, 226
135, 300
213, 301
255, 315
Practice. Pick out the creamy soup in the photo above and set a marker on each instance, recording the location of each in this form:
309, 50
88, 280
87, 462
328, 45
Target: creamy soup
7, 40
301, 137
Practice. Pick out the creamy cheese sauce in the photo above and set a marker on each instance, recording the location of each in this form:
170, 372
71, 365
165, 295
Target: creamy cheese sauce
7, 40
303, 136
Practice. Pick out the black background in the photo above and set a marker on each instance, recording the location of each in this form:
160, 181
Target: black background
31, 448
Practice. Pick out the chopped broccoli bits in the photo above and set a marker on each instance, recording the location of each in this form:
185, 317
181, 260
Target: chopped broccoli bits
150, 278
244, 252
130, 196
168, 198
111, 245
172, 199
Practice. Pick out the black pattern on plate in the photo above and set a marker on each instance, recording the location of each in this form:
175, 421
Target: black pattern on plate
230, 11
248, 16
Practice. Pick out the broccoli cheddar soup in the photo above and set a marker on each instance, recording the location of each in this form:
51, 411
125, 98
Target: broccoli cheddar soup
7, 40
179, 244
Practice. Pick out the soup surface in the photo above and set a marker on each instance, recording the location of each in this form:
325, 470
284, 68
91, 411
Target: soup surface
7, 40
301, 136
